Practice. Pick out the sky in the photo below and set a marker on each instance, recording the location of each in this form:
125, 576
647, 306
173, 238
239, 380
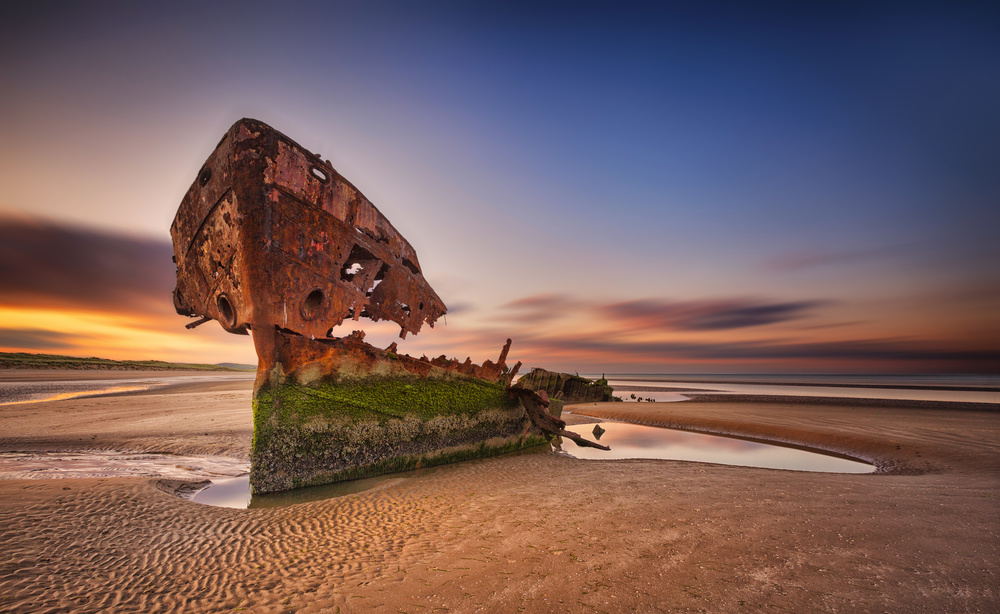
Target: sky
624, 187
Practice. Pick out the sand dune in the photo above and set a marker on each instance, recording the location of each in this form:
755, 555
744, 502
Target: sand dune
533, 533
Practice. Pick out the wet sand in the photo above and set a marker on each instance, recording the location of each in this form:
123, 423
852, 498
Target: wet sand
205, 417
532, 533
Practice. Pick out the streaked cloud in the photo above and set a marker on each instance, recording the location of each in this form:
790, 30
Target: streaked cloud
542, 307
708, 315
590, 351
661, 314
78, 291
51, 265
806, 259
544, 301
35, 338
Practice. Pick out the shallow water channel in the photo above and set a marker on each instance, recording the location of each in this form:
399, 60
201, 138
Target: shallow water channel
230, 482
113, 464
15, 392
626, 441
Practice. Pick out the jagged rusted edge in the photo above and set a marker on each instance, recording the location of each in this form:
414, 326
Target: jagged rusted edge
306, 360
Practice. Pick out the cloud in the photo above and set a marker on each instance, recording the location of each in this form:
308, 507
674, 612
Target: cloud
456, 308
804, 259
707, 315
542, 307
662, 314
860, 353
45, 264
543, 301
35, 338
876, 349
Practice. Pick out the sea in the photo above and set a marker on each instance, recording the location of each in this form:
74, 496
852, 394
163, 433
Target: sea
665, 387
660, 387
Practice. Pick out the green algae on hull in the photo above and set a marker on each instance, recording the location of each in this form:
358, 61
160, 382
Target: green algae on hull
334, 431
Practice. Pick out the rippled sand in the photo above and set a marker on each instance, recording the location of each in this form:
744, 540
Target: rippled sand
534, 533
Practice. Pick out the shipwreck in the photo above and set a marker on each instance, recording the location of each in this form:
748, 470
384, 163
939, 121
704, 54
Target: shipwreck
270, 240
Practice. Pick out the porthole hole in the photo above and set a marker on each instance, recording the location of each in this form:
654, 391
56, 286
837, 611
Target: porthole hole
319, 174
227, 315
313, 304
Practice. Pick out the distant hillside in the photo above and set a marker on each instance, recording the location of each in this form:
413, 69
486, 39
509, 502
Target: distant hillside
21, 360
239, 366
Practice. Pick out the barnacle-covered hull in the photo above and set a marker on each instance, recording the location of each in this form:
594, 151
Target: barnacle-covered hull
348, 410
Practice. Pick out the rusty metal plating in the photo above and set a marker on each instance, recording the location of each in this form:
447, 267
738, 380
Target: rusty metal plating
271, 235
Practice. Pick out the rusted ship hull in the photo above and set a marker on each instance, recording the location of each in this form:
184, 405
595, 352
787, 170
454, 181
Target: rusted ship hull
270, 239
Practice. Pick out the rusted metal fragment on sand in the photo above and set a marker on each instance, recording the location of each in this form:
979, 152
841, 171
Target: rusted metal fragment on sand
567, 387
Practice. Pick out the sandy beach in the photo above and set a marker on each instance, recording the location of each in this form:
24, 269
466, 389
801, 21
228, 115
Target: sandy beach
524, 533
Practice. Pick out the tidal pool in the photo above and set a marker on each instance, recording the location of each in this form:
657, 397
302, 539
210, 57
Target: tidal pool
638, 441
235, 492
626, 441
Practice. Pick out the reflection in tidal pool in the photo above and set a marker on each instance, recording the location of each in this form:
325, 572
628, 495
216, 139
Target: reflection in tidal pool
638, 441
626, 441
235, 492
